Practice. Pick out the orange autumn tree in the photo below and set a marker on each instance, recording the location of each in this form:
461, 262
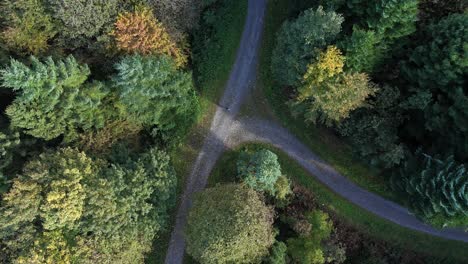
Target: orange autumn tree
140, 32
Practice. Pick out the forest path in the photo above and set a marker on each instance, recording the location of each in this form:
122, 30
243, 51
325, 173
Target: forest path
226, 131
238, 86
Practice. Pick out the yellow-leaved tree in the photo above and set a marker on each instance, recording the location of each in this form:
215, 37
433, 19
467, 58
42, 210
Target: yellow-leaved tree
327, 94
140, 32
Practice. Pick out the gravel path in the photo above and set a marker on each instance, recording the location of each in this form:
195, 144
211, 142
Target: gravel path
227, 131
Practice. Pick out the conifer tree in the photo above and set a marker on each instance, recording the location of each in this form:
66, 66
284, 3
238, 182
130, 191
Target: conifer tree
153, 91
434, 186
53, 98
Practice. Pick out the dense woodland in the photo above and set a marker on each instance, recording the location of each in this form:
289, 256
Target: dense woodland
390, 78
95, 95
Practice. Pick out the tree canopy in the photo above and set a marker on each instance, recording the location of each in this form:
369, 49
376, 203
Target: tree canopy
29, 26
229, 224
153, 91
53, 97
308, 248
140, 32
299, 40
327, 94
66, 207
82, 19
436, 73
259, 170
435, 186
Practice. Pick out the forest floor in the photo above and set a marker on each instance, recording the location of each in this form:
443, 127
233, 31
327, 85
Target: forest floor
228, 131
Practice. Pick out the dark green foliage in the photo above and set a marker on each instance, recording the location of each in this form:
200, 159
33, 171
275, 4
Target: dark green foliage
363, 50
373, 131
53, 98
229, 224
259, 170
153, 91
434, 186
436, 73
7, 143
83, 209
390, 19
278, 253
431, 10
82, 19
379, 24
299, 42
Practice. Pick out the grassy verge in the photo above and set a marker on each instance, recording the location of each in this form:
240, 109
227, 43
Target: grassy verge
322, 141
366, 222
226, 40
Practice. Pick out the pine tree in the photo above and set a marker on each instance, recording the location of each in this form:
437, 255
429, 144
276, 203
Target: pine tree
153, 91
53, 98
390, 19
434, 186
363, 50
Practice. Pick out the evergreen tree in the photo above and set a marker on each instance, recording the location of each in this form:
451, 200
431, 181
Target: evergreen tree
8, 142
53, 98
390, 19
436, 73
373, 131
153, 91
299, 40
363, 50
434, 186
82, 19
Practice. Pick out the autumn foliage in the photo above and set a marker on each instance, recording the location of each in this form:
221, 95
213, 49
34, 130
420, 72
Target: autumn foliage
140, 32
